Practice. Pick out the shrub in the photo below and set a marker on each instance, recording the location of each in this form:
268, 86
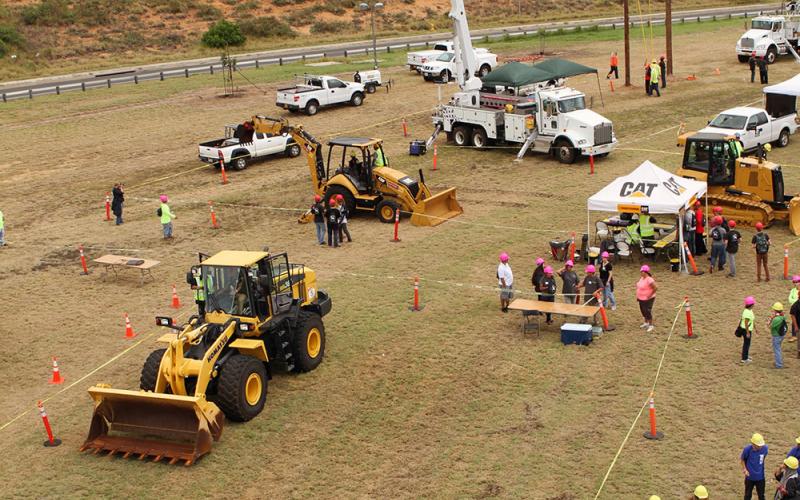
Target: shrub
48, 13
92, 12
10, 36
208, 12
265, 27
170, 40
247, 6
174, 6
223, 34
329, 26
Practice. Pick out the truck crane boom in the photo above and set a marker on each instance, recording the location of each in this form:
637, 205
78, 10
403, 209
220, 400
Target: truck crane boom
466, 65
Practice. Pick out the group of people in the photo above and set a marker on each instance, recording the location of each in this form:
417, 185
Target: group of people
655, 73
762, 64
332, 217
778, 323
753, 462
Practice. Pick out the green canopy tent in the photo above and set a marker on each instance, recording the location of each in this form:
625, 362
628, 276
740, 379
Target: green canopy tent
564, 69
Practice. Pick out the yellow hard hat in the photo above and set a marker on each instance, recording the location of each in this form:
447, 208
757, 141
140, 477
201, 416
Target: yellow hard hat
791, 462
757, 439
701, 491
777, 306
767, 147
654, 497
797, 440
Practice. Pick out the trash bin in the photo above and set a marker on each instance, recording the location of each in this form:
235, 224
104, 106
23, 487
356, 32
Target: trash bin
675, 265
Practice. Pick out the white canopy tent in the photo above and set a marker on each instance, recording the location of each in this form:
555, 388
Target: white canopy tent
648, 190
781, 99
789, 87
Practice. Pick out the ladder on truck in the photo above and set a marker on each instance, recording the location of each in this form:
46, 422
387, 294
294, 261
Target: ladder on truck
526, 145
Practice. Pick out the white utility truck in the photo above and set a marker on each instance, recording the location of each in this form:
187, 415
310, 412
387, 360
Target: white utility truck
417, 59
444, 67
755, 126
314, 92
769, 37
241, 146
548, 117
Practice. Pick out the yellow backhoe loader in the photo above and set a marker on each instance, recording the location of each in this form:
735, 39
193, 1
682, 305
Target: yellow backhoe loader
749, 189
261, 314
351, 172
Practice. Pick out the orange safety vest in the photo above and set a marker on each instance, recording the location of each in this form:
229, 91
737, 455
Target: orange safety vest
614, 60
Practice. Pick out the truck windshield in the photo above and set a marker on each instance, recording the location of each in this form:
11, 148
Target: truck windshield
446, 57
571, 104
761, 24
226, 290
734, 122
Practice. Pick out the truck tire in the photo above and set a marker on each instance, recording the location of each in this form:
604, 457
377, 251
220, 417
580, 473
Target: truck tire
147, 381
349, 199
743, 59
565, 152
357, 99
240, 163
485, 70
370, 88
772, 54
312, 107
461, 135
308, 342
293, 150
479, 139
783, 138
242, 388
444, 75
386, 210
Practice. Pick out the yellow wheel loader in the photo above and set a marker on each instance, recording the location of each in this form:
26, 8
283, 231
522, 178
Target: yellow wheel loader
357, 169
261, 314
749, 189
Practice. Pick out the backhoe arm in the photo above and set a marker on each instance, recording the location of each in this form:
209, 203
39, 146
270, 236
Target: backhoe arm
312, 147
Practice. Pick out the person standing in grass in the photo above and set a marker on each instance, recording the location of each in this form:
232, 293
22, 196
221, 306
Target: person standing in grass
318, 211
778, 328
662, 66
732, 239
547, 287
646, 295
655, 76
717, 234
793, 295
607, 279
2, 230
166, 216
590, 285
747, 327
505, 279
570, 279
761, 245
614, 66
333, 216
752, 461
788, 482
752, 62
116, 204
538, 274
343, 231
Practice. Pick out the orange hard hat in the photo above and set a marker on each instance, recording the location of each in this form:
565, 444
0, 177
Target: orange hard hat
717, 209
717, 220
759, 226
339, 197
317, 197
732, 223
332, 201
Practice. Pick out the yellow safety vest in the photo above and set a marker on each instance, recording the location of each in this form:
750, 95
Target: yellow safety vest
2, 221
199, 292
380, 160
646, 228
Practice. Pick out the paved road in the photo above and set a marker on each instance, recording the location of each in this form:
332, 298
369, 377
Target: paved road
105, 78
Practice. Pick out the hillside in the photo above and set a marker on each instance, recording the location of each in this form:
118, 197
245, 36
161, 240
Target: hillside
46, 36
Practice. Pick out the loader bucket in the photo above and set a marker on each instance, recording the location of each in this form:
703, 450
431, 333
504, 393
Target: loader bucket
437, 209
147, 424
794, 215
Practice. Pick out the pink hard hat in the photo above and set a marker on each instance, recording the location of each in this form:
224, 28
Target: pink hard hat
717, 209
796, 278
749, 300
759, 226
503, 257
569, 263
604, 255
590, 268
539, 261
645, 269
163, 198
317, 197
548, 270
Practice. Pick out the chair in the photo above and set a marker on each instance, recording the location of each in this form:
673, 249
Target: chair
623, 250
530, 322
645, 250
601, 231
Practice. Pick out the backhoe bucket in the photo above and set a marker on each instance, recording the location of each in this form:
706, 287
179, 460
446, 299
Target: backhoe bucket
794, 215
146, 424
437, 209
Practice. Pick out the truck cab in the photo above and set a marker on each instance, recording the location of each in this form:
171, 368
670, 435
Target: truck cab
768, 37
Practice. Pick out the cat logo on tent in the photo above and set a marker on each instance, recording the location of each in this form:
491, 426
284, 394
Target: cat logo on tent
637, 190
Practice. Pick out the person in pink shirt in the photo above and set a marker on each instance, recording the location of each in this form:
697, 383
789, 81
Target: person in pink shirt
646, 295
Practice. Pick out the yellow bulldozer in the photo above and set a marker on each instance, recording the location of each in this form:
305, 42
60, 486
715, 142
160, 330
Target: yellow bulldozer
750, 189
261, 314
351, 171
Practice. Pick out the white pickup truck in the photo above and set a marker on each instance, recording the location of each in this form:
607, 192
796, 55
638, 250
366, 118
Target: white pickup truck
314, 92
768, 37
416, 60
241, 146
443, 67
755, 126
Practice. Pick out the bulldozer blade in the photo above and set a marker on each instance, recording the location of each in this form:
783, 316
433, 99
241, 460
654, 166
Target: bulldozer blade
152, 424
794, 216
437, 209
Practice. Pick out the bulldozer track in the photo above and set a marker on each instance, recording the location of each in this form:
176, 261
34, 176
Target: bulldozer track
742, 210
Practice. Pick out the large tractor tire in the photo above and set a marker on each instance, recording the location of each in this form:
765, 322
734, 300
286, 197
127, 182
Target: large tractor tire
349, 199
242, 388
308, 342
147, 381
386, 210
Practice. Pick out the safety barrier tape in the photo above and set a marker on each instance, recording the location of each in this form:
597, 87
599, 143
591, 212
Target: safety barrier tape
644, 405
87, 375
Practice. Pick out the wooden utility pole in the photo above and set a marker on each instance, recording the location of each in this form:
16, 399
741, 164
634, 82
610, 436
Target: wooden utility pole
668, 25
627, 21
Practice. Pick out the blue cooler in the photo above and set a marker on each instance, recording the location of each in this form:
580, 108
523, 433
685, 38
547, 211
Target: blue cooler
574, 333
417, 147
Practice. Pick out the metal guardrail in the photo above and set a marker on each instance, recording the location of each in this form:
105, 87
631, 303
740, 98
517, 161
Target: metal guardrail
100, 81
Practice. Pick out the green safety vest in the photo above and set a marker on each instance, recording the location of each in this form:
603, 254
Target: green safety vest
736, 146
646, 228
633, 232
793, 296
655, 72
2, 221
199, 292
380, 160
166, 215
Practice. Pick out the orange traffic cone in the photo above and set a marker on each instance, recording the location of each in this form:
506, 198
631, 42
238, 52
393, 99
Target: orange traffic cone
176, 302
716, 71
691, 77
56, 374
128, 328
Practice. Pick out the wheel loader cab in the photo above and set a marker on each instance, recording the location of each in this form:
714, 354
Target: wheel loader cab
353, 157
712, 155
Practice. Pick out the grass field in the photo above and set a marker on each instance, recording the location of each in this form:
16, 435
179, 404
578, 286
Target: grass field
449, 402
